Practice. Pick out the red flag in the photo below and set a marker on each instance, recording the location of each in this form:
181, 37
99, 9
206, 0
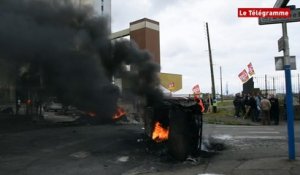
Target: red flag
244, 76
196, 89
250, 69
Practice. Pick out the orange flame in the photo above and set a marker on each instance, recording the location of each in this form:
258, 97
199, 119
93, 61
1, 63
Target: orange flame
159, 133
120, 112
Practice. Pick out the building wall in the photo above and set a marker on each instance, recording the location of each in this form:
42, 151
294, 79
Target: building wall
145, 33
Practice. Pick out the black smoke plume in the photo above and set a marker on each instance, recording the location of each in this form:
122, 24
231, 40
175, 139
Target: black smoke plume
64, 51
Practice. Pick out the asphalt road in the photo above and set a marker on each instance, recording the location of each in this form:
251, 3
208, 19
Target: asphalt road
106, 149
122, 149
254, 141
66, 148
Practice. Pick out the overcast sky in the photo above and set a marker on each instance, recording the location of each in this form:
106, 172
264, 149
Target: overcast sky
235, 41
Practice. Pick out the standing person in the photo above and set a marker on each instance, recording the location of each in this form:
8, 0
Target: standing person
265, 107
237, 102
257, 99
247, 106
18, 106
209, 102
206, 104
274, 111
253, 108
243, 109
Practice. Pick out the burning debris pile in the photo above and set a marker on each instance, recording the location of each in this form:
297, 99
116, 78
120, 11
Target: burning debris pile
174, 129
52, 48
178, 123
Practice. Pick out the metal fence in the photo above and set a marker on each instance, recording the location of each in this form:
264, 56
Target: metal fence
276, 83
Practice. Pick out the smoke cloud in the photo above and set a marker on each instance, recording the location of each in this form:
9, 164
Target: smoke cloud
64, 51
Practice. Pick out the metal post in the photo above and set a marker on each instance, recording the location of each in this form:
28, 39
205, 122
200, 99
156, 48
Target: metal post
298, 89
226, 88
298, 84
266, 85
221, 83
274, 90
289, 95
211, 72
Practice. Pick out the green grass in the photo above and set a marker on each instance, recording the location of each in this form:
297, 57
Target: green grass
224, 120
225, 115
225, 103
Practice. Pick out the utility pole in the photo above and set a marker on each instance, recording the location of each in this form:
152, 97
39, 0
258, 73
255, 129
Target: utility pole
227, 88
274, 85
221, 83
266, 85
213, 90
298, 84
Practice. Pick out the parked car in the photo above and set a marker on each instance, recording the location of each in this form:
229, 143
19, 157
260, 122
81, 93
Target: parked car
6, 110
53, 105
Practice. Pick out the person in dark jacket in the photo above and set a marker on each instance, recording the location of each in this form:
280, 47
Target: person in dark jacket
253, 108
247, 106
274, 111
237, 102
243, 108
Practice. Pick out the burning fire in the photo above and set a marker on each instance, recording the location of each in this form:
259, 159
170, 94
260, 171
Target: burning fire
120, 112
159, 133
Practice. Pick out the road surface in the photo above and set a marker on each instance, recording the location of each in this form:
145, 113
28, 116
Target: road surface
123, 149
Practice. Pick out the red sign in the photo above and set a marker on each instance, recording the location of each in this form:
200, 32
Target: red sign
264, 12
196, 89
250, 69
171, 86
244, 76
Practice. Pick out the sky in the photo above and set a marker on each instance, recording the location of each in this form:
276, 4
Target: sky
235, 41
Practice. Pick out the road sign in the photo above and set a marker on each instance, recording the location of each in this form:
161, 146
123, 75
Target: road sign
295, 17
172, 82
281, 44
279, 63
281, 3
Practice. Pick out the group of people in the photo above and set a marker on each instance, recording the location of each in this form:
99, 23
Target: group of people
257, 108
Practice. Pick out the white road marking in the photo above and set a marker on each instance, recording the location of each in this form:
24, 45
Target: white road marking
263, 132
230, 137
259, 137
123, 159
80, 154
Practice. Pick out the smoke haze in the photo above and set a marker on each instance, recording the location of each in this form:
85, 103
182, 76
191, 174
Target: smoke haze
65, 50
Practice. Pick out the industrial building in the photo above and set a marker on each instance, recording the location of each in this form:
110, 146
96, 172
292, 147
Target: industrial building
145, 33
